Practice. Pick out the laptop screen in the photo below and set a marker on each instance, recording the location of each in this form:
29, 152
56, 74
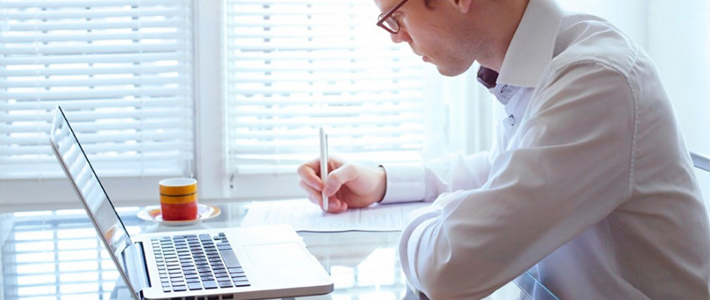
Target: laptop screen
92, 193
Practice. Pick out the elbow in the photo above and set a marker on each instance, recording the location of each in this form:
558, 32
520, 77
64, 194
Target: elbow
443, 268
453, 282
443, 264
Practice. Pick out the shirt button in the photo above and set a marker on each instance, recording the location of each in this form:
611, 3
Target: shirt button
510, 120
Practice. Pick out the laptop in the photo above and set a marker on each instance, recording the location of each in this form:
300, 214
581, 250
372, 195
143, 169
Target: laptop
227, 263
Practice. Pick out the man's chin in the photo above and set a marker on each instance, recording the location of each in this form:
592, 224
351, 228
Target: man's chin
448, 72
453, 69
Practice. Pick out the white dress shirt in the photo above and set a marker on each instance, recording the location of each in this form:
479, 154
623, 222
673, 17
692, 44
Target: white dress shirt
590, 179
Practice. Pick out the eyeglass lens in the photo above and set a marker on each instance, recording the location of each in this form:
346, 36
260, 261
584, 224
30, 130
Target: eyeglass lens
391, 24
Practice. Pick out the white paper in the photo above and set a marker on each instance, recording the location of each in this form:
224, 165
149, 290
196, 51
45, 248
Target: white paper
303, 215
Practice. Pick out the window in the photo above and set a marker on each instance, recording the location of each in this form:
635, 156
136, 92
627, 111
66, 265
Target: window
294, 66
120, 69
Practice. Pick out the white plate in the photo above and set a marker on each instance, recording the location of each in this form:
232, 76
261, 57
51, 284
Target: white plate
204, 212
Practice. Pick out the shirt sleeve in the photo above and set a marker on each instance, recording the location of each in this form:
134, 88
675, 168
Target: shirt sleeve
417, 182
570, 169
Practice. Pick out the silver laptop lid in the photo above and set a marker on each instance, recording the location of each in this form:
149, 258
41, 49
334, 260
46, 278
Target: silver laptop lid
95, 200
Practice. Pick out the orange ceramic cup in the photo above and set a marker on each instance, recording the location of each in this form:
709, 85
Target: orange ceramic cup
178, 199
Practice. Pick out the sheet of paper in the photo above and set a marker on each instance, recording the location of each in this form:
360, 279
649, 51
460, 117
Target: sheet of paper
303, 215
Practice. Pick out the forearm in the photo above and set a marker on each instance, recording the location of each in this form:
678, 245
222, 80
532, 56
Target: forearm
417, 182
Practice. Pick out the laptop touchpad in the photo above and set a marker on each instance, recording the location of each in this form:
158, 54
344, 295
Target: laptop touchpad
277, 255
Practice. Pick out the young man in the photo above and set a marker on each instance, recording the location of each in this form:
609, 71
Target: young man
589, 180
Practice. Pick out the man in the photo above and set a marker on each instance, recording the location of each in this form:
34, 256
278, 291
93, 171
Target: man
589, 180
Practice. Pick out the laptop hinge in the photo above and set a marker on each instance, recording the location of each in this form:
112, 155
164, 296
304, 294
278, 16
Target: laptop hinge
136, 267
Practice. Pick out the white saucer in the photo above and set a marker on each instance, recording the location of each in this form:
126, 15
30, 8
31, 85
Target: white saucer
204, 212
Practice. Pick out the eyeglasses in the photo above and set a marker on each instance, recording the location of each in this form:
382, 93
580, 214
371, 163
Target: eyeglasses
387, 22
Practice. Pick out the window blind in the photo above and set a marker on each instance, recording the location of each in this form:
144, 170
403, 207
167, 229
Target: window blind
120, 69
294, 66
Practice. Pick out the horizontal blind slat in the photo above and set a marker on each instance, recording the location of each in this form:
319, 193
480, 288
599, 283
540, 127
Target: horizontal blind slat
144, 147
88, 37
270, 79
102, 137
272, 2
24, 4
78, 25
341, 99
286, 46
354, 146
51, 170
92, 82
325, 89
325, 121
96, 93
83, 13
138, 70
93, 49
292, 133
94, 58
310, 111
373, 51
96, 104
79, 116
153, 157
98, 126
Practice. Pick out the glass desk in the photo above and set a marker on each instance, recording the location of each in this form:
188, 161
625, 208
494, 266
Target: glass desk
57, 255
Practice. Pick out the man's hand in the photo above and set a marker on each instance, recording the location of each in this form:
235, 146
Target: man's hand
347, 185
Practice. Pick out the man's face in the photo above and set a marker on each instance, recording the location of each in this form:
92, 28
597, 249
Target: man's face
440, 33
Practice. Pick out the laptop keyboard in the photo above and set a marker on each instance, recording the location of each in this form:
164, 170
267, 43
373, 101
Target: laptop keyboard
197, 262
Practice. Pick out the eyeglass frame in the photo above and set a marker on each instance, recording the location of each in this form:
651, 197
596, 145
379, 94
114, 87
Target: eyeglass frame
384, 16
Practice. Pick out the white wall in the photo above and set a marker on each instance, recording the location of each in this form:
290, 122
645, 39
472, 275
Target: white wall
679, 42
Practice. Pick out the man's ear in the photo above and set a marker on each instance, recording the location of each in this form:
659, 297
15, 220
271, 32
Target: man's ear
463, 5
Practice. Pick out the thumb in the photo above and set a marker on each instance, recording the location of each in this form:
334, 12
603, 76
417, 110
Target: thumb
339, 177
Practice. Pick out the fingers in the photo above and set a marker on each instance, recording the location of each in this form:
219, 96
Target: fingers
340, 176
309, 173
313, 194
312, 184
335, 205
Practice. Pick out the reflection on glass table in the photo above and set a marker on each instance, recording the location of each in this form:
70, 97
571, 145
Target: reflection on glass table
57, 255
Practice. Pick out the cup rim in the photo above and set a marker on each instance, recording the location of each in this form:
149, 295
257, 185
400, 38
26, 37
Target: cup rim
180, 181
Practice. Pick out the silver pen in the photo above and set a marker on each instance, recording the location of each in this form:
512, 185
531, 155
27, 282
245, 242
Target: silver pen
324, 165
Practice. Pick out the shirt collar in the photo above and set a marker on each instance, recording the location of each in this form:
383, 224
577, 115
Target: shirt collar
532, 47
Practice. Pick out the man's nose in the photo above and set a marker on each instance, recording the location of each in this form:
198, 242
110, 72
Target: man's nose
401, 36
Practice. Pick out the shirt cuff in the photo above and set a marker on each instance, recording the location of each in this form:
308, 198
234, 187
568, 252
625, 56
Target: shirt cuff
405, 183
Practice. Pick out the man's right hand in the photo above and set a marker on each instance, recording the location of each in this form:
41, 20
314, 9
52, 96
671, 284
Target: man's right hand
347, 185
